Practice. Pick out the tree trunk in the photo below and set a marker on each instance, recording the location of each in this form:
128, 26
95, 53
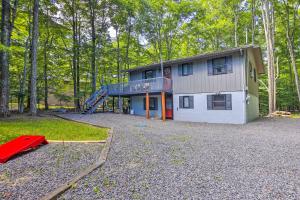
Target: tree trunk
127, 47
253, 21
118, 66
75, 54
160, 45
268, 21
4, 56
46, 63
290, 44
92, 5
24, 76
235, 30
78, 65
35, 33
13, 18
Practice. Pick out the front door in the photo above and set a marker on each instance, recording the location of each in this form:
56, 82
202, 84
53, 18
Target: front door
169, 106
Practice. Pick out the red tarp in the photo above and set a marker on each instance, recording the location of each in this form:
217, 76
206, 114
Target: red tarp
20, 144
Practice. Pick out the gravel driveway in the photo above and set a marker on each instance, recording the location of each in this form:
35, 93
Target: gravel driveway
151, 159
35, 173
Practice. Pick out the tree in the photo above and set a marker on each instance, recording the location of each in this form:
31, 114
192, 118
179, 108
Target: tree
4, 56
290, 37
269, 26
34, 46
92, 8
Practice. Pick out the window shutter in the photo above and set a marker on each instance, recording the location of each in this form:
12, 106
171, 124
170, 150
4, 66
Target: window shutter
228, 102
190, 69
144, 101
181, 102
229, 64
209, 67
209, 102
191, 101
179, 70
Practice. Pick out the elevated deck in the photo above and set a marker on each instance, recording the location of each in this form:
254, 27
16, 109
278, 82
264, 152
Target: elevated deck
153, 85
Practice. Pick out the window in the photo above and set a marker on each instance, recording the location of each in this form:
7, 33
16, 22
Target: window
186, 102
219, 102
149, 74
185, 69
221, 65
254, 74
152, 103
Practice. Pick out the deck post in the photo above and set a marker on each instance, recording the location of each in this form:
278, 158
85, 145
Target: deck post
147, 106
163, 106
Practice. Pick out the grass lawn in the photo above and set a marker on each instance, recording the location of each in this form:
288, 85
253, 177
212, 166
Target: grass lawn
296, 115
52, 128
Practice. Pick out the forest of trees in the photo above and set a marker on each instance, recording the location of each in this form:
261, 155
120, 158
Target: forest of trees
51, 46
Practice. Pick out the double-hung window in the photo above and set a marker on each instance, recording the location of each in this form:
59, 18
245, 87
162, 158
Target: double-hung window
185, 69
186, 102
219, 102
217, 66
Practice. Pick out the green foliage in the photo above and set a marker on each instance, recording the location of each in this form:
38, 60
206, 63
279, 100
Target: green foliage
183, 28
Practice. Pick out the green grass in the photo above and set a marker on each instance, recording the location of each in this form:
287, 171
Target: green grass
52, 128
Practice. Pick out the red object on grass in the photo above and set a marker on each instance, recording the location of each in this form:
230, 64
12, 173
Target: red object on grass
19, 145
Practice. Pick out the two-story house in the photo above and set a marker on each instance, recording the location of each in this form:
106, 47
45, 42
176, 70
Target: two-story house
218, 87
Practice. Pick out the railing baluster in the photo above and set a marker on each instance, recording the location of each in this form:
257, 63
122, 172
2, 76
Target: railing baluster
141, 86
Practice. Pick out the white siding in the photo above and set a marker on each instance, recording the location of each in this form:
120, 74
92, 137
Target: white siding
200, 113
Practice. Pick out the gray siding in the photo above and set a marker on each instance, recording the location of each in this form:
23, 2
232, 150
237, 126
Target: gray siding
200, 81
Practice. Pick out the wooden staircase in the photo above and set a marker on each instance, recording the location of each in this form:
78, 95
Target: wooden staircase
95, 100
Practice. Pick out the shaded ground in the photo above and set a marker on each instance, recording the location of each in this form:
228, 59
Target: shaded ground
33, 174
150, 159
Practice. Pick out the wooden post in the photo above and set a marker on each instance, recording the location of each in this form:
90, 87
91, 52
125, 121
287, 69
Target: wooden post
147, 106
163, 106
113, 104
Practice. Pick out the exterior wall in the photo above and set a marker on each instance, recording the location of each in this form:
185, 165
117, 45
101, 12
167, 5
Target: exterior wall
137, 104
250, 83
252, 104
200, 113
252, 107
200, 82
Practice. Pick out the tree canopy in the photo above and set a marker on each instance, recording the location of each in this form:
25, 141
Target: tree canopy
85, 44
